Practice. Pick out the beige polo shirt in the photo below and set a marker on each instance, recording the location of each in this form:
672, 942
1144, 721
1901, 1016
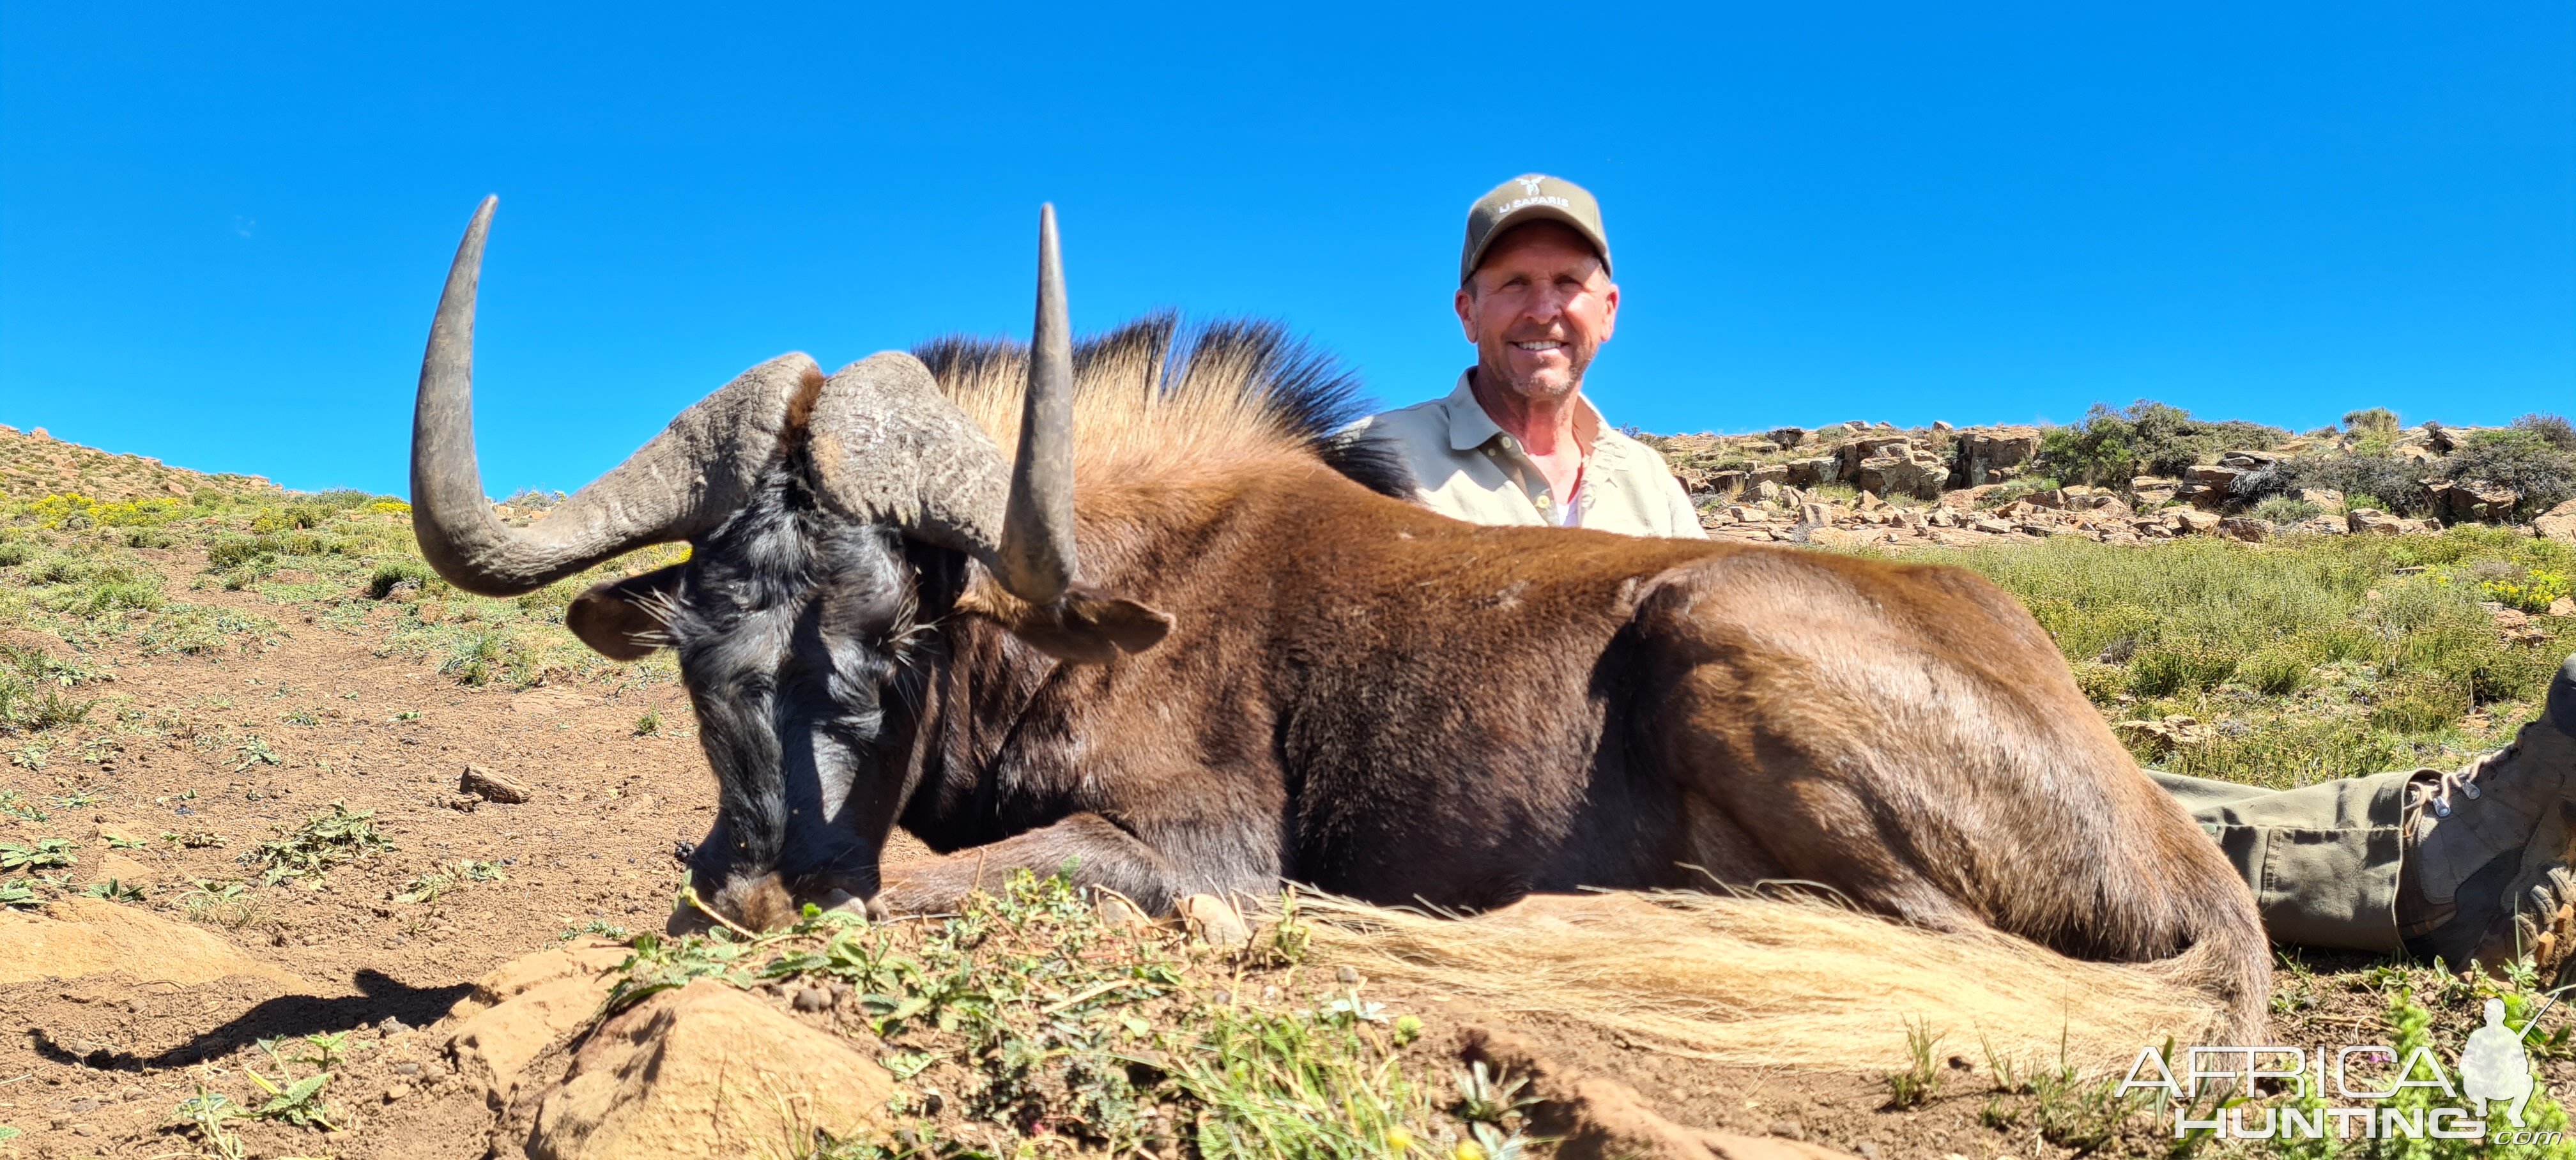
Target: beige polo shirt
1466, 467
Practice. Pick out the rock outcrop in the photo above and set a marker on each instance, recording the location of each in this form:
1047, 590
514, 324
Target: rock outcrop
80, 937
707, 1072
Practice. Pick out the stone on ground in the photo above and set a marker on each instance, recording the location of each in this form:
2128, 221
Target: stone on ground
79, 937
2558, 523
521, 1008
707, 1072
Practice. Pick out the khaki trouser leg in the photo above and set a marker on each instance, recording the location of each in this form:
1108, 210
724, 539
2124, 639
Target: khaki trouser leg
2322, 859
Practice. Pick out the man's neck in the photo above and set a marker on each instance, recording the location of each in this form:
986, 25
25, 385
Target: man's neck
1546, 427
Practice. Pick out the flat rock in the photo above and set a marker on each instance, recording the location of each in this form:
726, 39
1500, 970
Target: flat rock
124, 871
79, 937
707, 1072
493, 785
2558, 523
1214, 921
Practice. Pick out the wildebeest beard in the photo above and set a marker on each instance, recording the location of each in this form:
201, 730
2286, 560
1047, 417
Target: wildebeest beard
803, 638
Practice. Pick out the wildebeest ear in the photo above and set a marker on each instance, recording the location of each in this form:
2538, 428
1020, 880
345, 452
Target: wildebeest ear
1088, 627
625, 620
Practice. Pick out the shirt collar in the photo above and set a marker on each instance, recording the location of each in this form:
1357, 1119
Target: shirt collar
1470, 427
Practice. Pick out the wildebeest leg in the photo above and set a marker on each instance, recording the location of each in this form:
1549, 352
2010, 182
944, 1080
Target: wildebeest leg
1095, 852
1933, 760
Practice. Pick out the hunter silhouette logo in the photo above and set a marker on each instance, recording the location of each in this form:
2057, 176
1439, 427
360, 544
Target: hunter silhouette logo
2494, 1066
2494, 1075
1530, 184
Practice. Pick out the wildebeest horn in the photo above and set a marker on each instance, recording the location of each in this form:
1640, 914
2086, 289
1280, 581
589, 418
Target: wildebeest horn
687, 480
889, 447
1037, 534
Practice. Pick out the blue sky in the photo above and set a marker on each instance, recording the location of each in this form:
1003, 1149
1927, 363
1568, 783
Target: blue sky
222, 227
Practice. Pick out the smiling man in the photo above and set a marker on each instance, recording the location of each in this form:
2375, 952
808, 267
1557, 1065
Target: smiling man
1516, 442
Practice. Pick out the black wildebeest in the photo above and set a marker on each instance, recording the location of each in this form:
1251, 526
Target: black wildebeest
1256, 666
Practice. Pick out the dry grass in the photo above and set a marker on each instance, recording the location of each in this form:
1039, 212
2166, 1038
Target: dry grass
1764, 982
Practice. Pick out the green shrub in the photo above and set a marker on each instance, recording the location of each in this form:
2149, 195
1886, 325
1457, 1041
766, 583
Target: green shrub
2531, 590
2520, 458
342, 499
2102, 683
2169, 667
32, 696
393, 573
2283, 509
2366, 479
2277, 671
2552, 429
2371, 421
2418, 703
235, 551
13, 553
2147, 438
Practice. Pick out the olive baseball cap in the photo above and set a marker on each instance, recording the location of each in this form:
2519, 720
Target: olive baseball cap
1531, 197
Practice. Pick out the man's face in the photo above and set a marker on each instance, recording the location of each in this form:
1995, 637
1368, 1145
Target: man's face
1537, 310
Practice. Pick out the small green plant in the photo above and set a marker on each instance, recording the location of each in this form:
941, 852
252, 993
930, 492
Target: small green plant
598, 926
36, 855
650, 724
206, 1113
1487, 1097
113, 891
14, 805
16, 894
334, 837
428, 887
256, 752
227, 904
297, 1102
1921, 1079
2282, 509
2276, 672
32, 691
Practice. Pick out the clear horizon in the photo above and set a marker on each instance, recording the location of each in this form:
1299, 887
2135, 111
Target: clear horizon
222, 232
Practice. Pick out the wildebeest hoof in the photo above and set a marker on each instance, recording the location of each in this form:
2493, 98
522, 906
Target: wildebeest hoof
837, 899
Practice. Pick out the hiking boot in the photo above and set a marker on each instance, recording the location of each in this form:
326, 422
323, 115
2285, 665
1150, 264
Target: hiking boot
2546, 928
2485, 846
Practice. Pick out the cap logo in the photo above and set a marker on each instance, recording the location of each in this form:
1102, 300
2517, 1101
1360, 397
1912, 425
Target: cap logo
1530, 184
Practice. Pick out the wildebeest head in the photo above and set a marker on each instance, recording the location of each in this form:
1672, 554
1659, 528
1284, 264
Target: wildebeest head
830, 519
